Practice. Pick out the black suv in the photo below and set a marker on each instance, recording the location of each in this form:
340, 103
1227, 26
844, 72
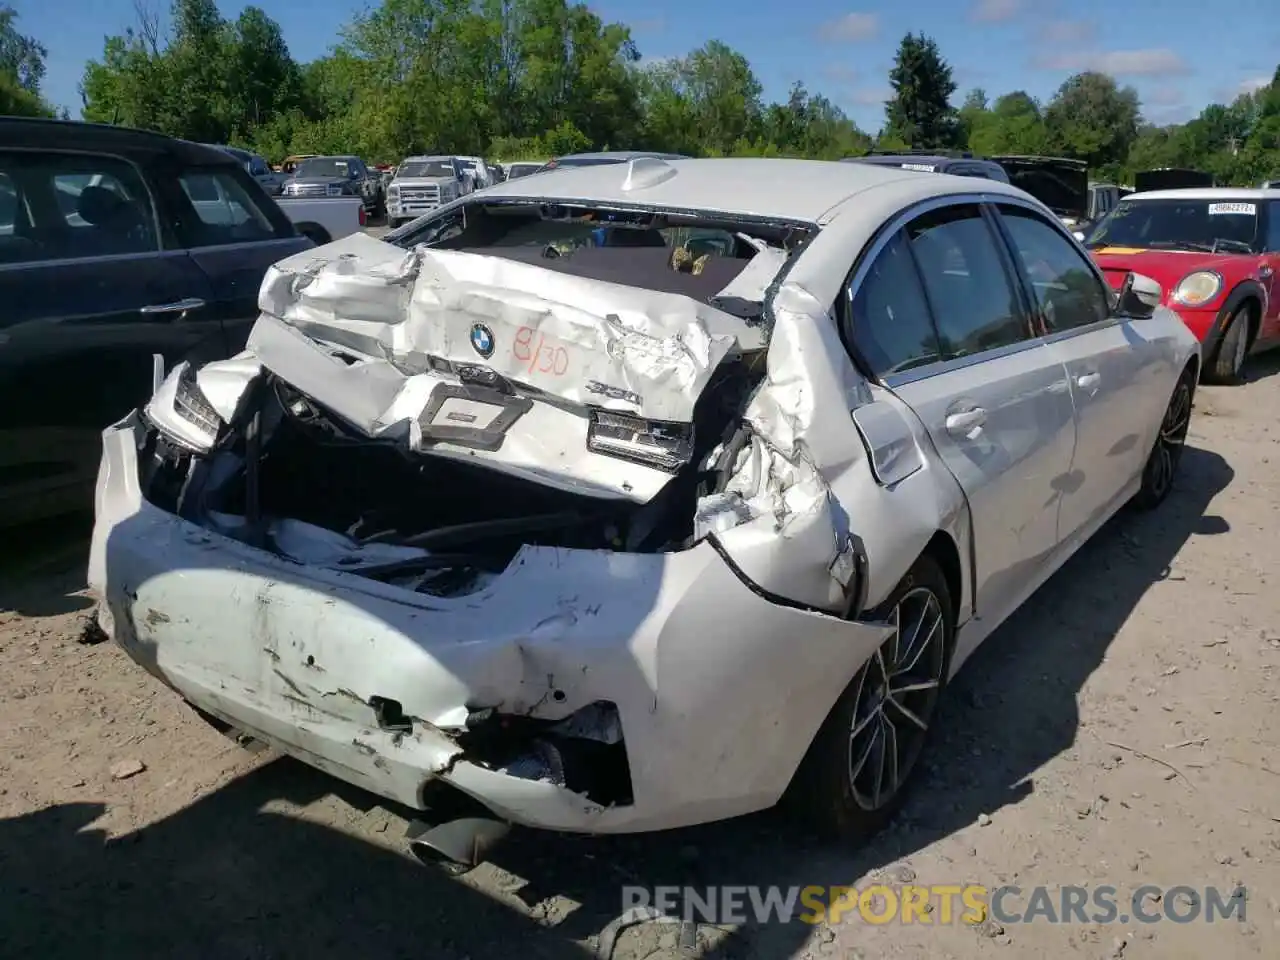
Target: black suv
338, 177
956, 164
116, 245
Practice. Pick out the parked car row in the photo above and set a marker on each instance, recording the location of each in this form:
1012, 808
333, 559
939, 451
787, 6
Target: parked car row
581, 507
552, 395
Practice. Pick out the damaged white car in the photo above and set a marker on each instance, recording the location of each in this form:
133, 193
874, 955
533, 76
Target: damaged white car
629, 497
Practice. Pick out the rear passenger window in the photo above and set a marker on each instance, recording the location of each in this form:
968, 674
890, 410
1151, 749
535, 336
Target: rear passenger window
56, 206
975, 305
1068, 292
222, 210
889, 318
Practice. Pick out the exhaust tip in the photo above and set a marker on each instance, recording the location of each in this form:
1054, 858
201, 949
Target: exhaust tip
455, 846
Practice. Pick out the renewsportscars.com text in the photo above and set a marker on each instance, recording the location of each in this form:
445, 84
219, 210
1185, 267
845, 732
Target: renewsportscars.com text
941, 904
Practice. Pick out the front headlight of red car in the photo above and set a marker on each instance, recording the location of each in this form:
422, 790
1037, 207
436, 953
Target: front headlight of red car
1197, 289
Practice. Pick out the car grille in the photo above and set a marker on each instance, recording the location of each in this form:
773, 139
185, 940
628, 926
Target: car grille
311, 190
420, 194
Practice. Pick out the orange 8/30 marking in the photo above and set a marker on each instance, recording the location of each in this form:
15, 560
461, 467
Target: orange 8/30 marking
531, 347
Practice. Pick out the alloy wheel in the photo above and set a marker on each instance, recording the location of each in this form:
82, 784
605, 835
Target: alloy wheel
1172, 439
896, 695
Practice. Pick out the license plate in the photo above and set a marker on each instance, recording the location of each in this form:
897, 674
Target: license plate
470, 416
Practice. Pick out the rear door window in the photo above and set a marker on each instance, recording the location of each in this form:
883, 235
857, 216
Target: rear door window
220, 210
974, 301
1068, 292
889, 322
56, 206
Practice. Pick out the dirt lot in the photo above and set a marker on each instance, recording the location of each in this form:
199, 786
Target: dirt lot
1121, 730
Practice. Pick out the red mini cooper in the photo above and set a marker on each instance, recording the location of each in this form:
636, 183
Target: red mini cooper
1216, 254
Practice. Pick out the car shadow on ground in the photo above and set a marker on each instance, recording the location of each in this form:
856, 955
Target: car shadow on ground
242, 881
42, 566
1261, 366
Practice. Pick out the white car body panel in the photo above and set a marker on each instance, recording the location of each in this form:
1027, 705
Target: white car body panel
723, 658
339, 217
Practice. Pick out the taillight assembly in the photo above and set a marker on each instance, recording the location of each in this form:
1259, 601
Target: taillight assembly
655, 443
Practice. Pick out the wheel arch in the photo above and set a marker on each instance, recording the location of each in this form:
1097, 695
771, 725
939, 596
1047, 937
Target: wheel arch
1247, 293
942, 549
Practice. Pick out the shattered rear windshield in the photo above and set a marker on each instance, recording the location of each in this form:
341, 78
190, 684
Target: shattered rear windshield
648, 249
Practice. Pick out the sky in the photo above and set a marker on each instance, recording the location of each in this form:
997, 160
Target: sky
1180, 55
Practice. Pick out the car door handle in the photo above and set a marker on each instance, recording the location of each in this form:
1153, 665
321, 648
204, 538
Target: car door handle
178, 306
1088, 381
965, 422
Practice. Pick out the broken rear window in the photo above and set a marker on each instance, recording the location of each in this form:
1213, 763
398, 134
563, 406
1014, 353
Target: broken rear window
651, 249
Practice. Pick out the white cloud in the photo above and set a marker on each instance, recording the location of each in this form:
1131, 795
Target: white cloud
1227, 95
1135, 63
1067, 31
839, 73
1164, 97
852, 27
995, 11
871, 96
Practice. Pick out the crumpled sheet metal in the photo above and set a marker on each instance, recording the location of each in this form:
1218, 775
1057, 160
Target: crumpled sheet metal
548, 445
777, 515
647, 353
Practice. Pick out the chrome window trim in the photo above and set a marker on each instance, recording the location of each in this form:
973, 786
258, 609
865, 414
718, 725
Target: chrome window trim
142, 178
889, 229
960, 363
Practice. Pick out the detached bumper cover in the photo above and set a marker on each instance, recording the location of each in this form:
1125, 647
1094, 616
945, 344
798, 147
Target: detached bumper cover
718, 690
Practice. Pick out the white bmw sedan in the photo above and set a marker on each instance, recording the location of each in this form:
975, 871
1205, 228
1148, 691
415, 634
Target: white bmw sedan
629, 497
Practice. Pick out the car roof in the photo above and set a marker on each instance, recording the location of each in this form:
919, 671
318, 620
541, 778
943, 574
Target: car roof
33, 133
424, 158
894, 159
623, 155
1208, 193
789, 190
238, 152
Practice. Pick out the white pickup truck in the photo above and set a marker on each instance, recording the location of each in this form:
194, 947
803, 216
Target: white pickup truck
324, 219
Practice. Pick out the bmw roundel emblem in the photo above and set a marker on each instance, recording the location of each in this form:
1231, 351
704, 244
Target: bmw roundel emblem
482, 340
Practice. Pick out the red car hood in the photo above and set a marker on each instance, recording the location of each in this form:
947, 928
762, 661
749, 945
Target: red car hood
1166, 267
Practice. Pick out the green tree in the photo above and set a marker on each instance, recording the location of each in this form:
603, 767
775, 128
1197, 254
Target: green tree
22, 67
1012, 126
920, 112
1093, 119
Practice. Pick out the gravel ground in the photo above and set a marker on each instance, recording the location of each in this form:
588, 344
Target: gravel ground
1121, 730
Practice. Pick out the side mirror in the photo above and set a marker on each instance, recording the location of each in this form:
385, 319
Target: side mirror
1139, 296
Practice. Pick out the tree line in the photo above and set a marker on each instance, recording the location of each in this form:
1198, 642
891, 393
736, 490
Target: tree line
531, 79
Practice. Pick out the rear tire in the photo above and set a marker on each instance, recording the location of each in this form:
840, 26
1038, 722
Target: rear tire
858, 770
1166, 454
1227, 365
